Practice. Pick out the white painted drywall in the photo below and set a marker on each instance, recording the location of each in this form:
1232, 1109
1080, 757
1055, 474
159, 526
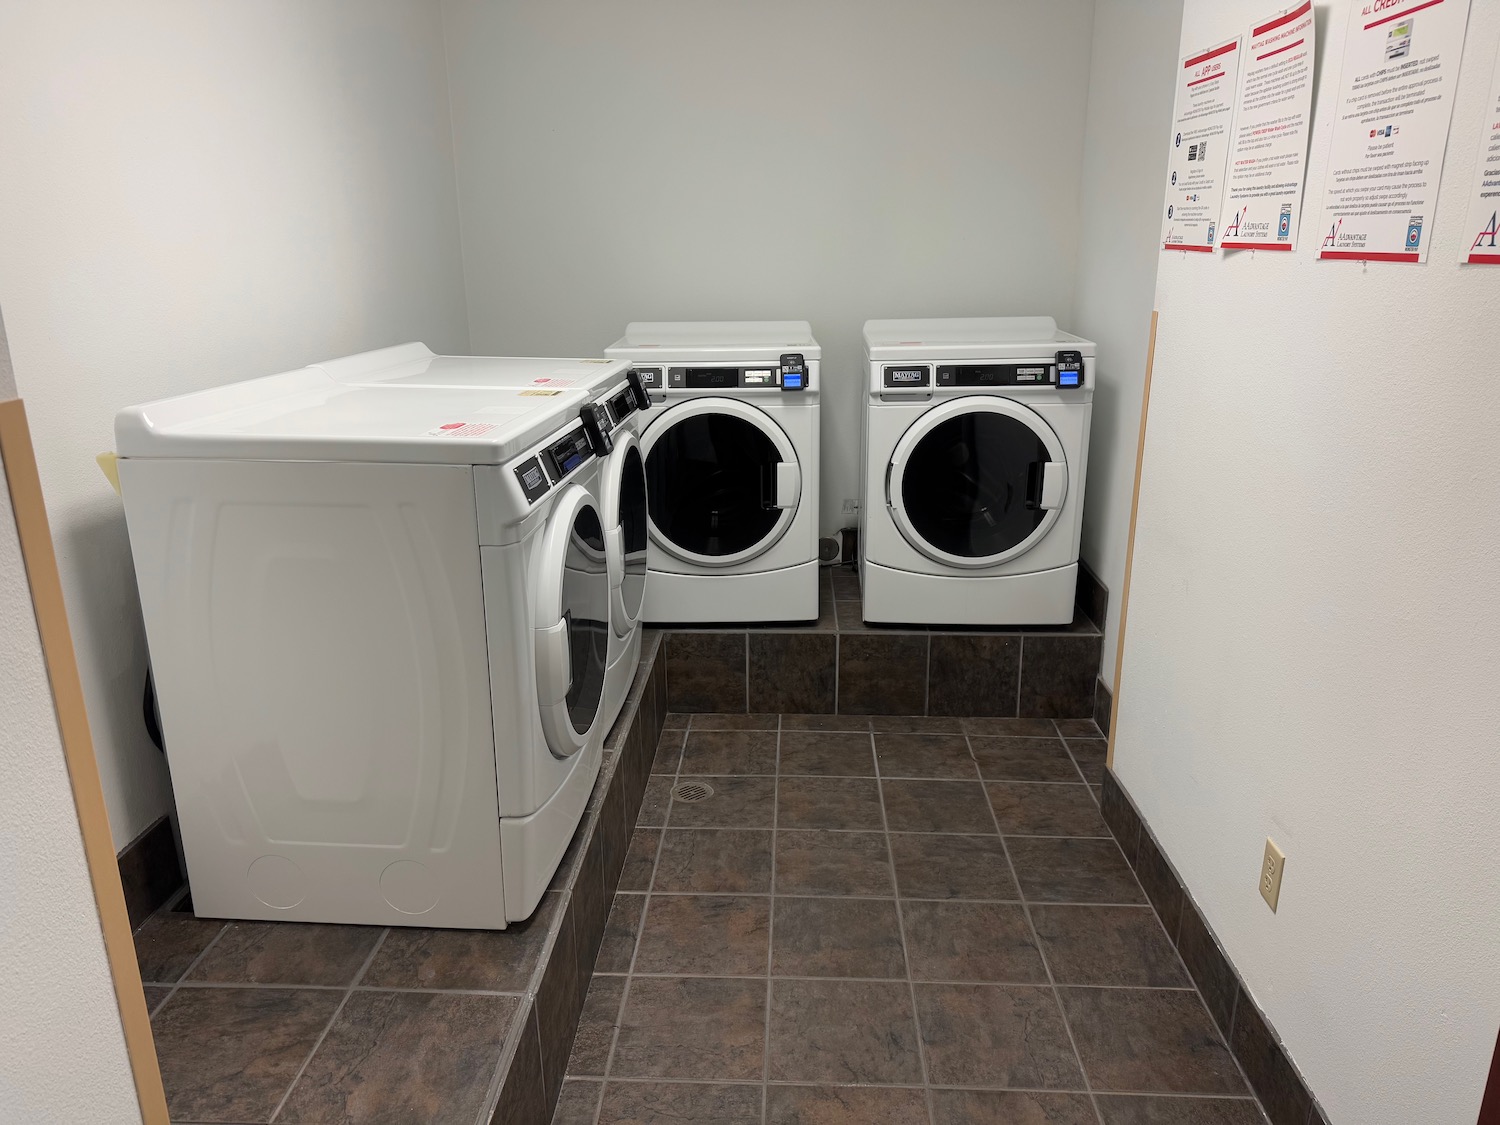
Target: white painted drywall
198, 191
62, 1052
1130, 111
834, 162
1314, 609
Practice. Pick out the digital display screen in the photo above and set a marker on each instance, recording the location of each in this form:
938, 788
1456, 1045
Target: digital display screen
567, 454
711, 377
1068, 378
994, 375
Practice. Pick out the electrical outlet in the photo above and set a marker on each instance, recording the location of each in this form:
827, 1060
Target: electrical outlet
1271, 869
850, 507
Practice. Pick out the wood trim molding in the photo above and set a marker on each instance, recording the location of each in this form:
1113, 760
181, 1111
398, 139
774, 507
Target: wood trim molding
1135, 503
78, 750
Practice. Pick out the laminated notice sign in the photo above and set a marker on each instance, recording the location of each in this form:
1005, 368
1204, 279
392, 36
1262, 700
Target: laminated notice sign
1201, 119
1484, 204
1268, 156
1392, 110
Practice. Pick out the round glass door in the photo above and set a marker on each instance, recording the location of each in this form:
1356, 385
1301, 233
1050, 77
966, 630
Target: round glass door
585, 610
633, 532
722, 481
976, 483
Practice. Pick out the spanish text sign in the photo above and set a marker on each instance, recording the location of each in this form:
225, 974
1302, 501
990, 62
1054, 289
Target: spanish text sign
1484, 203
1393, 106
1263, 194
1201, 120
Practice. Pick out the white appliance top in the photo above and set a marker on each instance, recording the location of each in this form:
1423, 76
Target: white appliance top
972, 337
308, 416
723, 341
414, 365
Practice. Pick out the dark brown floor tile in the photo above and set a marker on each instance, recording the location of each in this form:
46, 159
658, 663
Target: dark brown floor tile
640, 860
620, 931
171, 941
737, 802
936, 806
653, 813
1108, 945
1023, 759
845, 1105
675, 720
760, 720
1078, 728
1045, 809
1271, 1073
524, 1097
691, 1027
474, 960
1089, 753
229, 1054
952, 867
577, 1102
829, 802
679, 1103
713, 859
971, 941
925, 755
1121, 817
825, 722
596, 1027
973, 674
154, 996
668, 756
705, 935
1149, 1041
403, 1056
1058, 674
1009, 728
995, 1035
832, 863
827, 754
706, 671
793, 672
843, 1031
837, 937
883, 674
1207, 966
1010, 1107
1072, 871
1120, 1109
916, 724
845, 586
1159, 882
730, 752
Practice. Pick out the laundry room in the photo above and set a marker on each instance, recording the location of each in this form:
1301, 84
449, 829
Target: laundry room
747, 562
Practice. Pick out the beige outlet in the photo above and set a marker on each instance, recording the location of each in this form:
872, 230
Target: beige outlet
1270, 874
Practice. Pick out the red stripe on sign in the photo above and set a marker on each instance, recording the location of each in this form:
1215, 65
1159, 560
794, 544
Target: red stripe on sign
1278, 50
1484, 259
1366, 256
1186, 246
1403, 15
1286, 19
1255, 246
1200, 81
1217, 51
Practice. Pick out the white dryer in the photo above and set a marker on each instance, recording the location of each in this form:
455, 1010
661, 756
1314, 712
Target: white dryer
731, 468
619, 486
976, 444
378, 622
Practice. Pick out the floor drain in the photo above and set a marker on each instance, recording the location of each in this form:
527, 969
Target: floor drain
692, 791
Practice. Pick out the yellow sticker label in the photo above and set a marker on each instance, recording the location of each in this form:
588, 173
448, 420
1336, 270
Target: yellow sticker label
539, 394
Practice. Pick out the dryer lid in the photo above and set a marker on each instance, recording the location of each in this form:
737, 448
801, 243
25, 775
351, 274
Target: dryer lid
977, 337
709, 341
414, 365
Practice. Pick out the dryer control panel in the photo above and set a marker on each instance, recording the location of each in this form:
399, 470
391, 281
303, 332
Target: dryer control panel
1042, 373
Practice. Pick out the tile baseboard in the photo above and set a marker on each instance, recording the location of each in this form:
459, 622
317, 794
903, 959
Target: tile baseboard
150, 872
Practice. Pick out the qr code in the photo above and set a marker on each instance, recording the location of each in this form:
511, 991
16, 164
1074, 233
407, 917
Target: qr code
1198, 151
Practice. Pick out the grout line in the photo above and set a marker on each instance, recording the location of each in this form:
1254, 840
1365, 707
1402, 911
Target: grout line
193, 964
337, 1011
800, 1082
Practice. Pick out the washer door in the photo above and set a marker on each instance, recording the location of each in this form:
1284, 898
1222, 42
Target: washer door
723, 481
622, 495
572, 621
976, 481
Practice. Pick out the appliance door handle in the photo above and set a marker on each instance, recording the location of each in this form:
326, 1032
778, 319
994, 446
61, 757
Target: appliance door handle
788, 484
554, 663
1053, 485
614, 555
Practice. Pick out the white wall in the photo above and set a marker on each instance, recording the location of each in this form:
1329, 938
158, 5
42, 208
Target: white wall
212, 189
834, 162
1313, 617
1124, 158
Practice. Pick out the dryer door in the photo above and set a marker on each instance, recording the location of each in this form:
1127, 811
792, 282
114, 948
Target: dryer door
977, 481
572, 621
622, 495
723, 481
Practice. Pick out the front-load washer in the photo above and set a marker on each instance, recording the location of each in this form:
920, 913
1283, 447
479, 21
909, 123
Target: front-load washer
619, 486
378, 620
975, 444
731, 468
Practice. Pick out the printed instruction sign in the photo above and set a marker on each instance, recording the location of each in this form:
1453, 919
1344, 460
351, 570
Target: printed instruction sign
1393, 107
1201, 120
1268, 156
1484, 203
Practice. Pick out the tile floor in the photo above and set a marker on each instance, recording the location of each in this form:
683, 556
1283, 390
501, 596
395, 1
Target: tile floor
889, 920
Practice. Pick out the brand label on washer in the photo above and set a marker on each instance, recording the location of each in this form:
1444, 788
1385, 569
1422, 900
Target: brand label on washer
462, 429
